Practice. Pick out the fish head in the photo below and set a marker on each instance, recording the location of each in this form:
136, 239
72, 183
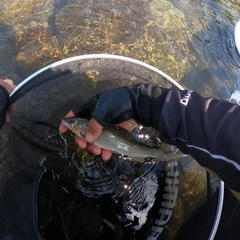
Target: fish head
79, 126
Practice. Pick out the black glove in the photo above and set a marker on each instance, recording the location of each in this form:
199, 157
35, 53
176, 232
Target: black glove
141, 102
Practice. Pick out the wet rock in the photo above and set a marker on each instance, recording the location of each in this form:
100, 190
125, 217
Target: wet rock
35, 45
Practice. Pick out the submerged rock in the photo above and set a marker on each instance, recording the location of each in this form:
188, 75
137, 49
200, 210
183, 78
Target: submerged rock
34, 43
154, 32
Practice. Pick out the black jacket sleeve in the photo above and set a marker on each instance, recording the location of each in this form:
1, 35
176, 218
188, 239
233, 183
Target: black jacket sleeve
4, 102
206, 128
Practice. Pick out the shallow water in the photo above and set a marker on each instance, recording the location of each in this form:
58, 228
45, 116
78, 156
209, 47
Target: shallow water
192, 41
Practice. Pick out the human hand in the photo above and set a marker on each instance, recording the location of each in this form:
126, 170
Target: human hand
94, 131
122, 107
7, 86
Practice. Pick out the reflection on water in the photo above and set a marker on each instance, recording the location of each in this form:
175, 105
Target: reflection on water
141, 201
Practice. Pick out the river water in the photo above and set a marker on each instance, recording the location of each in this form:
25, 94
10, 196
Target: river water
191, 41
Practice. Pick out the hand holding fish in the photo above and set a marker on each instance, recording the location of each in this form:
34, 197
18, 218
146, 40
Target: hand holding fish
7, 87
122, 107
94, 131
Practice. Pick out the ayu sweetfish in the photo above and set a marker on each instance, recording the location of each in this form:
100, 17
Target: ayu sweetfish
140, 144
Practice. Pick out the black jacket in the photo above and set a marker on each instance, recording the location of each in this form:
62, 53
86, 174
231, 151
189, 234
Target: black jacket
206, 128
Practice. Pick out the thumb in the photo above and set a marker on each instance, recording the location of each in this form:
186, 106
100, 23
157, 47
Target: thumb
94, 130
8, 84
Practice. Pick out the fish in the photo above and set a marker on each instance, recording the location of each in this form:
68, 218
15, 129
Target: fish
116, 141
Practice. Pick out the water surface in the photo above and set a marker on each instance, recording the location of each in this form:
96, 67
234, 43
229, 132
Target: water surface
192, 41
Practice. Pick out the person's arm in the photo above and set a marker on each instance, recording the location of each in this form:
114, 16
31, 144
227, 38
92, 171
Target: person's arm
206, 128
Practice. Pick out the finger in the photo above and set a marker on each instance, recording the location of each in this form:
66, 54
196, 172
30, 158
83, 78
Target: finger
94, 130
8, 84
9, 81
81, 142
62, 128
127, 125
94, 149
106, 155
70, 114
